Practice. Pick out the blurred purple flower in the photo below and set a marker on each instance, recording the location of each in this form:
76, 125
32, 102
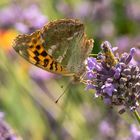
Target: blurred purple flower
107, 29
34, 17
21, 27
117, 79
135, 133
106, 129
93, 10
2, 115
83, 10
101, 10
134, 7
24, 20
6, 132
125, 43
9, 15
65, 8
40, 75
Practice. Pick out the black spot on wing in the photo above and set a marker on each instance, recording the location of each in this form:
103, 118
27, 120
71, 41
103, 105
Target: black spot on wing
46, 61
36, 53
55, 66
51, 65
44, 53
38, 47
31, 46
37, 59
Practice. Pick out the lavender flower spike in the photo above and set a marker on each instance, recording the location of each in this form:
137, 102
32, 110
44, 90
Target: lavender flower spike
114, 78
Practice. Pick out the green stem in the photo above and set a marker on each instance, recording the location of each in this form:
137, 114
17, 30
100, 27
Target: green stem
93, 54
136, 114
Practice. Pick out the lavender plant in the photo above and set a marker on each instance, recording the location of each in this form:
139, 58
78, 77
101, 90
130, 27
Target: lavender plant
20, 18
6, 132
114, 78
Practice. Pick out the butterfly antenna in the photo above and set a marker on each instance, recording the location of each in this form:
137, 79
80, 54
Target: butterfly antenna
62, 93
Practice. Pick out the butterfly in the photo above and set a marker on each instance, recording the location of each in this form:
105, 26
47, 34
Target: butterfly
60, 47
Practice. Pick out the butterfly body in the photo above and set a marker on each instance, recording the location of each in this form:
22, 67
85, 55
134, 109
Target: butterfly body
60, 47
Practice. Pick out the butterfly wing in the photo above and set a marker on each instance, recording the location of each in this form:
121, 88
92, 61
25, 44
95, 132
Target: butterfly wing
66, 41
31, 47
60, 47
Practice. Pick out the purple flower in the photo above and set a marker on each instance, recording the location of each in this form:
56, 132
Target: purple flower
108, 88
9, 15
114, 78
134, 7
21, 27
90, 75
40, 75
125, 44
117, 73
25, 20
90, 86
135, 133
83, 9
34, 17
65, 9
6, 132
92, 64
106, 129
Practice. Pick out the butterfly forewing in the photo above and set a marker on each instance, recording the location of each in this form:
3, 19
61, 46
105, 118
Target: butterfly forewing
31, 47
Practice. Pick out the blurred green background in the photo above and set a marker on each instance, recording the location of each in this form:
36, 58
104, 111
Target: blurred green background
28, 94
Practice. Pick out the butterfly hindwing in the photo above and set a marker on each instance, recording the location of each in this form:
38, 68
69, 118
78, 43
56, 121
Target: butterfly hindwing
66, 41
